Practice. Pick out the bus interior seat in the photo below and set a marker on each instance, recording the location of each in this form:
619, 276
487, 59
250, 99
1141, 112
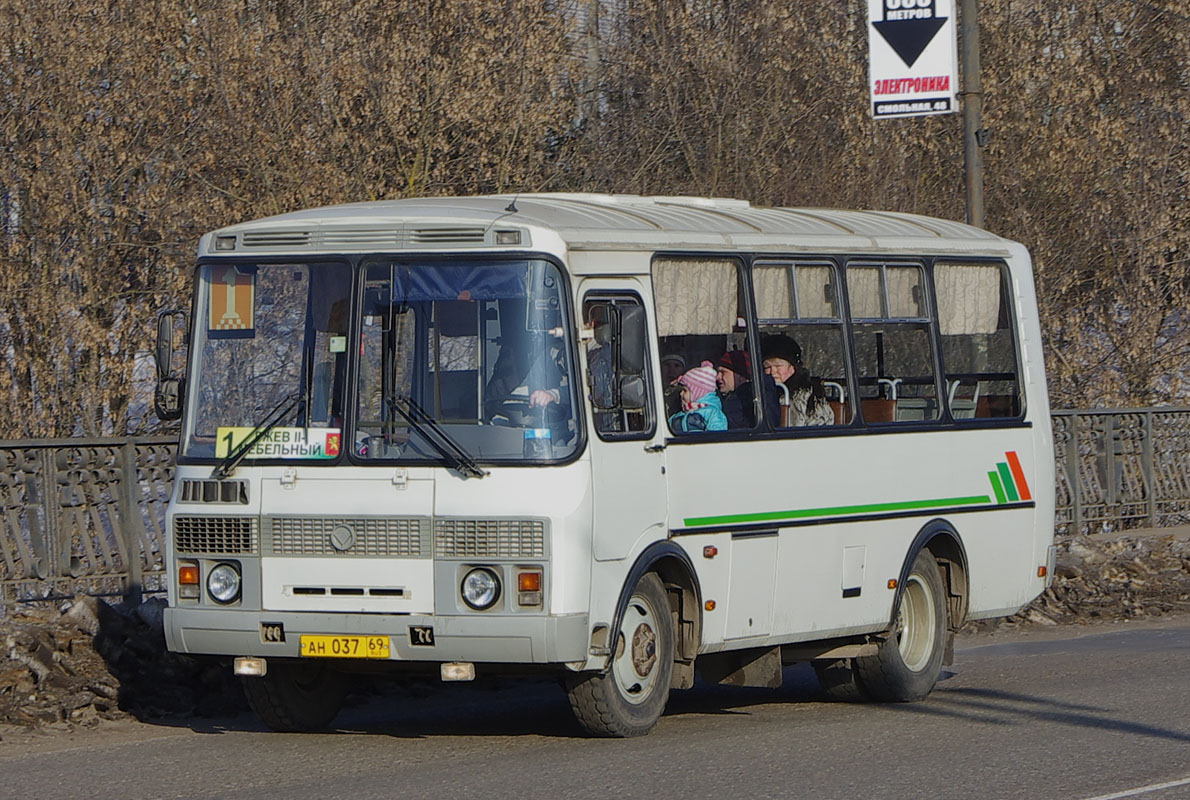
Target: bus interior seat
910, 409
963, 407
458, 397
996, 405
838, 401
879, 409
783, 404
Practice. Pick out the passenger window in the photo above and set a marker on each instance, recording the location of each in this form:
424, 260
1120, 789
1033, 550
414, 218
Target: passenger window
978, 348
893, 348
801, 341
615, 343
704, 345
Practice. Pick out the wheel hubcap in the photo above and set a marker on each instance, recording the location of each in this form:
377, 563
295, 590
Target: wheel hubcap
915, 625
644, 650
635, 664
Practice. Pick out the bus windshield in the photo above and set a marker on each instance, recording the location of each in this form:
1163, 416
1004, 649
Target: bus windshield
468, 356
269, 338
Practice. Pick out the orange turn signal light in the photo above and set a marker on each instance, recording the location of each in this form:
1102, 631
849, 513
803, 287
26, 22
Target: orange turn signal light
710, 551
892, 583
709, 605
188, 574
1041, 572
528, 581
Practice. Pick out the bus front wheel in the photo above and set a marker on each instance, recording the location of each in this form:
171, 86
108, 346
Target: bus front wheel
296, 697
629, 698
907, 664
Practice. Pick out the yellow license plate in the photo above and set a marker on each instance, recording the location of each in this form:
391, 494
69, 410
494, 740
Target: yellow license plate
344, 646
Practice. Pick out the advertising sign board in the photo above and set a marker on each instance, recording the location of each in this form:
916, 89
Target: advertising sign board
913, 58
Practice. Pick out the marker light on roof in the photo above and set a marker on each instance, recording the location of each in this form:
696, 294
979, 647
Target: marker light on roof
225, 243
508, 237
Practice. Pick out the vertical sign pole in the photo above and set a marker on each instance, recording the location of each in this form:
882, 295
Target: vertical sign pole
590, 102
972, 111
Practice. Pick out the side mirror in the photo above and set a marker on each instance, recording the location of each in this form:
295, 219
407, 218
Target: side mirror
632, 340
167, 400
165, 345
603, 322
167, 323
633, 395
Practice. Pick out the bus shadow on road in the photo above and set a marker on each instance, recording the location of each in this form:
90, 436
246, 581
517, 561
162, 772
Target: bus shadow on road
499, 706
998, 707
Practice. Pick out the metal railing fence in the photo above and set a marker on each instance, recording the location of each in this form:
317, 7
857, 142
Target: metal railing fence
87, 516
83, 516
1122, 468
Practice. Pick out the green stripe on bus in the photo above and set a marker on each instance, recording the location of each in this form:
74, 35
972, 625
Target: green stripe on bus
1009, 483
830, 511
994, 477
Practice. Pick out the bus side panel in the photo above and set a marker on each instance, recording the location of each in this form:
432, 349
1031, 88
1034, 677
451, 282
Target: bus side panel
845, 511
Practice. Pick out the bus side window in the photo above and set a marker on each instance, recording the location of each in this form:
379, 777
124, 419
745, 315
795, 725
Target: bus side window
797, 305
894, 352
978, 347
703, 331
617, 366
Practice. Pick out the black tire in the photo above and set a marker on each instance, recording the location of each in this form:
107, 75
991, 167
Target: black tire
839, 680
297, 697
908, 662
629, 698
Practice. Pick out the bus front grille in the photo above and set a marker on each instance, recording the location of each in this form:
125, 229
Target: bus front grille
489, 538
407, 537
215, 535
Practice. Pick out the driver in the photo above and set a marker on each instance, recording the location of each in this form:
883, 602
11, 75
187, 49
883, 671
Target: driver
543, 397
526, 370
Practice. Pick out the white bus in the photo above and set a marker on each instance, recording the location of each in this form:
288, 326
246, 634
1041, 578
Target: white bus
445, 435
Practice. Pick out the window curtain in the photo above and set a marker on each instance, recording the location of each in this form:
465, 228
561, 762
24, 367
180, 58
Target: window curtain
863, 289
773, 297
695, 296
968, 298
814, 299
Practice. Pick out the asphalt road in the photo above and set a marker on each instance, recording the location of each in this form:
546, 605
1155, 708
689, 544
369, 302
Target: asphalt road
1074, 713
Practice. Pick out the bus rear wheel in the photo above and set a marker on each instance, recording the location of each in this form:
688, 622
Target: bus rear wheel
296, 697
907, 664
629, 698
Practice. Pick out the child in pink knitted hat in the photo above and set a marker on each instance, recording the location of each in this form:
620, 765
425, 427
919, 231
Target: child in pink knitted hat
701, 409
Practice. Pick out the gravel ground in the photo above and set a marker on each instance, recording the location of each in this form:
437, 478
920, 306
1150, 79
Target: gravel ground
88, 661
1105, 578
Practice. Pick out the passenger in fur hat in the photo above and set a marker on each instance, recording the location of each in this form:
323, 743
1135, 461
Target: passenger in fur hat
807, 402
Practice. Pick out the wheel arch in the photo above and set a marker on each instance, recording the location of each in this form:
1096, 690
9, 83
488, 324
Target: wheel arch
942, 540
676, 571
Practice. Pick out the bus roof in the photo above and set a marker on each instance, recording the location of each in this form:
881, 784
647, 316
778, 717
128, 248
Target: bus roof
596, 222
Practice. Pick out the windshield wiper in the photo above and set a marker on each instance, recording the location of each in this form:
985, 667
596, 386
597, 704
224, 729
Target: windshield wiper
450, 450
280, 412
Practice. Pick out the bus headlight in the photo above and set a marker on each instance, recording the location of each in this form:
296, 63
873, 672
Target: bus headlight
223, 583
481, 588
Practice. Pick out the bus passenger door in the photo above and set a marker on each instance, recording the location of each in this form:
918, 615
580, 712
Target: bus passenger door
626, 466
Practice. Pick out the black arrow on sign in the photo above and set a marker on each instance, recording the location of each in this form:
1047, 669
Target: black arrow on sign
909, 37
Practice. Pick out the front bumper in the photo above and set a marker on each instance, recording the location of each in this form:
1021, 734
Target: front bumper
482, 638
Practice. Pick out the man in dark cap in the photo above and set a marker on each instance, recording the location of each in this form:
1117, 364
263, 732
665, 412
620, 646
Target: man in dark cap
733, 379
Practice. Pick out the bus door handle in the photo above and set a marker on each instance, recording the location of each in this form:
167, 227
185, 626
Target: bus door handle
654, 448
